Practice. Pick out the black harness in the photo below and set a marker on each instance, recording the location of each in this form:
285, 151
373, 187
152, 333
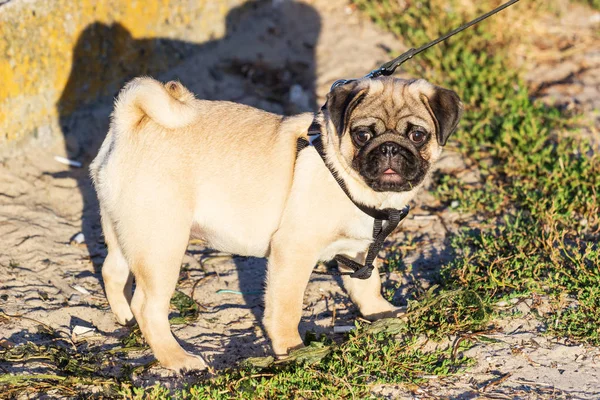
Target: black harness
380, 232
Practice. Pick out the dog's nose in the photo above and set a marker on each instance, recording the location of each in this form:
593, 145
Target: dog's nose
389, 149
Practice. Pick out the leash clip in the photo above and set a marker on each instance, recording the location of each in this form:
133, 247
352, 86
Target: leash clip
340, 82
377, 73
371, 75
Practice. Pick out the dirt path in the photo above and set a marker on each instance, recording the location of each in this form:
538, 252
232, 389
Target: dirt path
47, 277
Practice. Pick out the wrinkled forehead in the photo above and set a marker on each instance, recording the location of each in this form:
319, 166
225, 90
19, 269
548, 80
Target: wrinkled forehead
394, 104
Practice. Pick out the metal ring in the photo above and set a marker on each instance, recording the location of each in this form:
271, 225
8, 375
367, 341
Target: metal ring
341, 82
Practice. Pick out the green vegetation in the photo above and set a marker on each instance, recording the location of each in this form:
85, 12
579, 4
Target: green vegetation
534, 232
368, 359
537, 192
372, 356
595, 4
73, 365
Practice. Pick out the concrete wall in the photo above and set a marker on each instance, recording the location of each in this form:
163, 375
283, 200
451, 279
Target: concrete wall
57, 55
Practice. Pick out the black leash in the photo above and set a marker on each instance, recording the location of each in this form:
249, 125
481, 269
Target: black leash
389, 67
380, 232
392, 216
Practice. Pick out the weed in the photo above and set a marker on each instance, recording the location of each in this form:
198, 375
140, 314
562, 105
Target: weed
187, 307
70, 369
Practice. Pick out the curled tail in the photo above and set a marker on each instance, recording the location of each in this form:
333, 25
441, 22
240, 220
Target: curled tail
169, 105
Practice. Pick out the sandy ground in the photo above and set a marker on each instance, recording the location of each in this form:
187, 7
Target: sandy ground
46, 276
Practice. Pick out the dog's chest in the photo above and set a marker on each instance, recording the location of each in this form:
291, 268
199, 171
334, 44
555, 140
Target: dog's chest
354, 238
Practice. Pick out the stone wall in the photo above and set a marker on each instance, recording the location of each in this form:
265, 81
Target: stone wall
56, 56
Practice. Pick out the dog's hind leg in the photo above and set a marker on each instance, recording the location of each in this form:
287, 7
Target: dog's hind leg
117, 276
155, 255
366, 294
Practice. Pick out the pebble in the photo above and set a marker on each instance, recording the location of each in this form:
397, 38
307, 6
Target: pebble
81, 289
78, 238
79, 330
343, 328
66, 161
75, 298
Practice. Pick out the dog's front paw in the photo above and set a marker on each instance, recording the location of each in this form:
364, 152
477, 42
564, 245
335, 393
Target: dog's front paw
124, 317
184, 362
282, 348
392, 312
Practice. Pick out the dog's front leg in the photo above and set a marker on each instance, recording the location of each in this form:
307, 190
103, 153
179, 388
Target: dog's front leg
288, 272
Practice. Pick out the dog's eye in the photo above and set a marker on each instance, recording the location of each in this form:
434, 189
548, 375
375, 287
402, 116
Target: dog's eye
362, 137
417, 136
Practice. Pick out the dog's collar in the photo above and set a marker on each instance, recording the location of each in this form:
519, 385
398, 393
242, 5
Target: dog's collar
380, 232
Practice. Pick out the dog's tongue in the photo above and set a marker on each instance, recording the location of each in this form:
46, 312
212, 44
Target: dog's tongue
389, 171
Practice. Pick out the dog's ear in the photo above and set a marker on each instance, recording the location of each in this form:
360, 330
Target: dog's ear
446, 109
342, 100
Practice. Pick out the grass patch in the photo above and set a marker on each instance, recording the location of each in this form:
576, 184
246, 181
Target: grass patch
370, 357
68, 368
187, 307
373, 355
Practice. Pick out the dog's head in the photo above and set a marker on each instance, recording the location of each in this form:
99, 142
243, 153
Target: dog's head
389, 131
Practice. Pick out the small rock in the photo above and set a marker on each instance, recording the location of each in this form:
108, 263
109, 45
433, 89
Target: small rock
66, 161
75, 298
343, 328
7, 344
454, 204
78, 239
81, 289
79, 330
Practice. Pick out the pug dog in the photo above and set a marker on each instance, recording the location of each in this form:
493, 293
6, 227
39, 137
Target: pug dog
174, 167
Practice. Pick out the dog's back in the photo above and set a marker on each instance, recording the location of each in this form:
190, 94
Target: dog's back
198, 155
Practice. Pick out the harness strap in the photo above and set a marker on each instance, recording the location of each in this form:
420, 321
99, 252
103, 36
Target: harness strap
364, 271
380, 232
